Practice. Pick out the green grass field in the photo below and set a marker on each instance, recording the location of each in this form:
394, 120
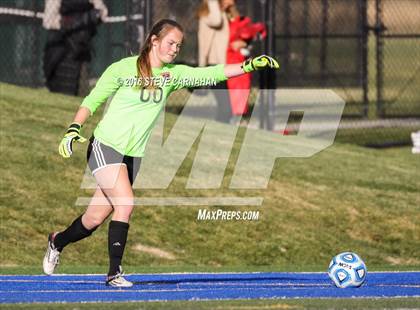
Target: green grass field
346, 197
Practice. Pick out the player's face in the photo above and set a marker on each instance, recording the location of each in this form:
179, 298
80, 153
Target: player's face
169, 46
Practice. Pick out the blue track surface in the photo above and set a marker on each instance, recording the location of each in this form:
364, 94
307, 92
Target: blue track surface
201, 286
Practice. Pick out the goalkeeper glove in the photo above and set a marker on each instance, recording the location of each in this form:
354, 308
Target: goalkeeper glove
66, 145
260, 62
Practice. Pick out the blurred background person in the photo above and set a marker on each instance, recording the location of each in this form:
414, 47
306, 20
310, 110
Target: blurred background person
213, 39
241, 34
71, 26
224, 37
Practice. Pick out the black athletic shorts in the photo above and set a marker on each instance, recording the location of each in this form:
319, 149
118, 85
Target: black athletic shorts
100, 155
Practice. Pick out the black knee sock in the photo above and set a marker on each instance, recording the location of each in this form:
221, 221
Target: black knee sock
75, 232
117, 237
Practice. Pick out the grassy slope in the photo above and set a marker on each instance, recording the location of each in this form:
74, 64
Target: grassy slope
344, 198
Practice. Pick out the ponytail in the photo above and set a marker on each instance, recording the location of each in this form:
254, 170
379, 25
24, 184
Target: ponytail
144, 69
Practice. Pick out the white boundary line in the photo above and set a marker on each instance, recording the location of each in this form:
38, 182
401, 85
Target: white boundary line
197, 273
206, 299
120, 290
206, 286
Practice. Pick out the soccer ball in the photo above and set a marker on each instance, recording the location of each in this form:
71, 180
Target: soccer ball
347, 270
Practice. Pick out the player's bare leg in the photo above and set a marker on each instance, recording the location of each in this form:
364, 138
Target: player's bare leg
115, 183
98, 210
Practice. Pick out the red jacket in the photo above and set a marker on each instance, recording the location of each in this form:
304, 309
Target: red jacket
241, 28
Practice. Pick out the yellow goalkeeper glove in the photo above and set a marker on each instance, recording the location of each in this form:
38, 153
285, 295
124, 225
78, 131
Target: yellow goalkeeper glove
73, 134
258, 63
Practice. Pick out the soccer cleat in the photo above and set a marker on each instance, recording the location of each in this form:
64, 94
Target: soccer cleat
118, 280
52, 256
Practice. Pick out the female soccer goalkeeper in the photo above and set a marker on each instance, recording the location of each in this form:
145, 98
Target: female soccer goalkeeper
115, 151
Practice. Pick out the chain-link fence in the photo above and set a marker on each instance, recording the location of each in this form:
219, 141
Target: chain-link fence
365, 50
398, 61
324, 44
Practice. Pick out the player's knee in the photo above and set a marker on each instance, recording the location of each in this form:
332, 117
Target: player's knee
91, 221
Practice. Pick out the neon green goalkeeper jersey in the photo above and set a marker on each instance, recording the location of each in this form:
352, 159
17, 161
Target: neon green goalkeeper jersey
133, 111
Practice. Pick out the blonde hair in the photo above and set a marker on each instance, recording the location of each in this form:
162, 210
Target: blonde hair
159, 29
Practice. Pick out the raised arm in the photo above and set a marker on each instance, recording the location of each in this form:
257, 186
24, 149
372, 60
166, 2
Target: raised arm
187, 76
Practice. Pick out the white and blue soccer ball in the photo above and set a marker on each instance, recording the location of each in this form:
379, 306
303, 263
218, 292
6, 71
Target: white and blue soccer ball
347, 270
